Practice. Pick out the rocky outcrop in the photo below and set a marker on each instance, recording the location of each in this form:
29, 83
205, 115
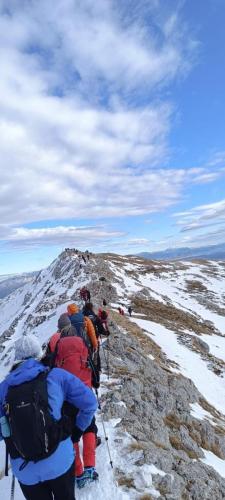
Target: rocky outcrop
154, 407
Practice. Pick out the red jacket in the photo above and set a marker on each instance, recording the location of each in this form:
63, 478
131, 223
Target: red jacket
72, 355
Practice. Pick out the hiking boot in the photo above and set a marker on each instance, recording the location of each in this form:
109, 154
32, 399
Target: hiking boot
98, 441
89, 475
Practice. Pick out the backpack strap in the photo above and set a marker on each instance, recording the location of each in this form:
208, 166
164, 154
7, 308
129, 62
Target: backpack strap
54, 354
6, 460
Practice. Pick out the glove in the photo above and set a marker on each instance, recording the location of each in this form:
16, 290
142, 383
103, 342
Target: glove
76, 434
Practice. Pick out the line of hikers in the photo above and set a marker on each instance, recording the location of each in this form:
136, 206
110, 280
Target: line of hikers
47, 404
121, 310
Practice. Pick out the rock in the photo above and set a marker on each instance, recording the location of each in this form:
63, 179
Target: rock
200, 344
157, 416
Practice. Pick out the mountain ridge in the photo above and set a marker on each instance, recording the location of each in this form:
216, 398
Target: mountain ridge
165, 363
210, 252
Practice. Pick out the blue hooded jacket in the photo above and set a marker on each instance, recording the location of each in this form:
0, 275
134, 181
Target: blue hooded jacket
62, 386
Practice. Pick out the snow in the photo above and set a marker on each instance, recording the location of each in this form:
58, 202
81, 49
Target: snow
104, 489
217, 463
216, 344
198, 412
190, 363
168, 286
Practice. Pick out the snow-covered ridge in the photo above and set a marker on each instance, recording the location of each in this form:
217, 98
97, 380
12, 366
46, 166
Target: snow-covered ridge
179, 311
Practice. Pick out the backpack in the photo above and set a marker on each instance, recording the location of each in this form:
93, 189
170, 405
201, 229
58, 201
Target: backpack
34, 433
77, 321
72, 355
104, 315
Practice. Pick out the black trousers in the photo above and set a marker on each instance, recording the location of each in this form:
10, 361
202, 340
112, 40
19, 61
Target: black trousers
60, 488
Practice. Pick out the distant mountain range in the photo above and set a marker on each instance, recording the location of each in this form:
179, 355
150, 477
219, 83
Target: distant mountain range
212, 252
10, 282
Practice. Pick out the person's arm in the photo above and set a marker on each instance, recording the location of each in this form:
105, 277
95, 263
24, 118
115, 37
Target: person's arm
1, 408
80, 396
91, 332
100, 327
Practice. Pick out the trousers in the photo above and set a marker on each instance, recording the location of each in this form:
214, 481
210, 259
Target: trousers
89, 446
61, 487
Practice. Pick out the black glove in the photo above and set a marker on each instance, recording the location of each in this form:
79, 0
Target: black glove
76, 434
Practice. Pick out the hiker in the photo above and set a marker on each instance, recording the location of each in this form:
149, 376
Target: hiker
104, 302
103, 315
99, 331
37, 435
83, 325
83, 257
71, 353
98, 326
130, 310
85, 294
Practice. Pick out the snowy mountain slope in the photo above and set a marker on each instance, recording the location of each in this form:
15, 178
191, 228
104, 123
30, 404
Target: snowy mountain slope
177, 329
10, 282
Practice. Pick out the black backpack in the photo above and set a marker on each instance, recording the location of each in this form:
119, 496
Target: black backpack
35, 434
104, 315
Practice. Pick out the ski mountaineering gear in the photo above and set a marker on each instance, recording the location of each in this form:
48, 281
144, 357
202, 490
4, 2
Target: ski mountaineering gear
61, 386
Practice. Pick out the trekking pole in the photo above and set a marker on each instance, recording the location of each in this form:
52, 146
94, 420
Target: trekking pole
12, 488
104, 429
106, 360
108, 356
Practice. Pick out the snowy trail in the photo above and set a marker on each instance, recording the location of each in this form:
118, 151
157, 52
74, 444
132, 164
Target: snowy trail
104, 489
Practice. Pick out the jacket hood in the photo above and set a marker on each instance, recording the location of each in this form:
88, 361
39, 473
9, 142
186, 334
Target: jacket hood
72, 309
25, 372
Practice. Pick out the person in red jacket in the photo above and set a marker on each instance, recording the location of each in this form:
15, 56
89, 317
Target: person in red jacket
71, 353
103, 315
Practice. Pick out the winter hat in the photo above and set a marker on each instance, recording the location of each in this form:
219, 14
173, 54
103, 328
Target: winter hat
27, 347
64, 321
72, 309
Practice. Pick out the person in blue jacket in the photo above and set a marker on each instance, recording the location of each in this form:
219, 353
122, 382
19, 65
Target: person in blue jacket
51, 477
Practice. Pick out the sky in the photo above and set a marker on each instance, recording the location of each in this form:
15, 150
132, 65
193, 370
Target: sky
112, 127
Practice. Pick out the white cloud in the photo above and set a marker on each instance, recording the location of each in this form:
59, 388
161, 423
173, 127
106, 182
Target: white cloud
73, 141
199, 219
138, 241
21, 237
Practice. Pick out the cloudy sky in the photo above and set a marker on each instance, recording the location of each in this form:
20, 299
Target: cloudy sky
112, 133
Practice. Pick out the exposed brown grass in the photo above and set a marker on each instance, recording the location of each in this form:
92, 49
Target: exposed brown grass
196, 435
147, 344
208, 407
195, 286
146, 497
136, 446
126, 481
178, 445
160, 445
172, 421
170, 316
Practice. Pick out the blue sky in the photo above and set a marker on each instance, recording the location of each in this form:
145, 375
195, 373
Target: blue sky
112, 127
